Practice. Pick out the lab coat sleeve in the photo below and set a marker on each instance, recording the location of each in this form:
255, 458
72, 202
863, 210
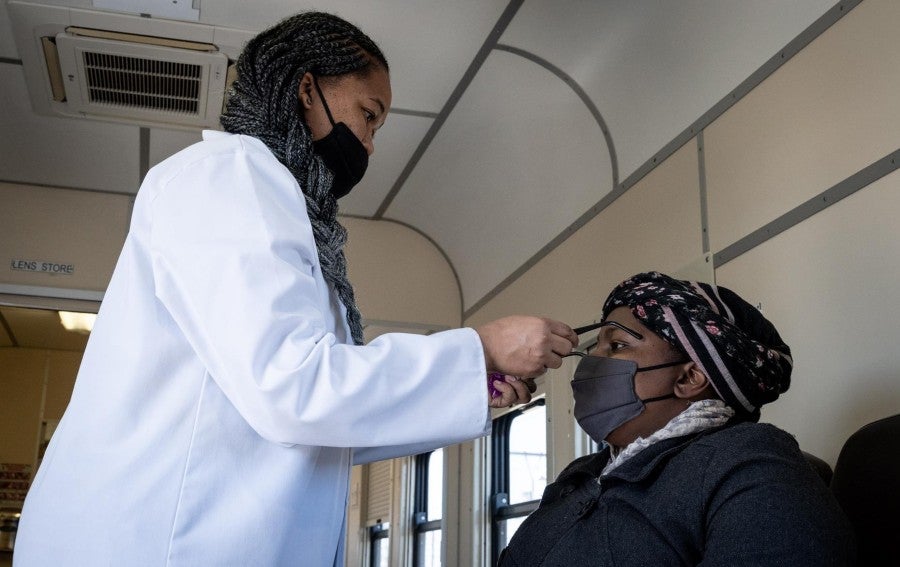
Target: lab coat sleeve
235, 265
364, 455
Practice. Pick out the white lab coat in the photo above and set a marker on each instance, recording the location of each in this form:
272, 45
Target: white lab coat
217, 403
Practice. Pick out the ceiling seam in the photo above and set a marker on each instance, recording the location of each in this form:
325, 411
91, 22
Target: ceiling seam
804, 38
410, 112
64, 187
51, 292
10, 61
582, 220
467, 78
9, 332
582, 94
433, 243
704, 204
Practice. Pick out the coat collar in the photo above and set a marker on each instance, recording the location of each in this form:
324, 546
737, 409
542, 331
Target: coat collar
638, 467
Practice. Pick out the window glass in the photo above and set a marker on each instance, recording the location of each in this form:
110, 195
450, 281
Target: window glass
528, 456
436, 487
381, 552
431, 556
380, 545
511, 526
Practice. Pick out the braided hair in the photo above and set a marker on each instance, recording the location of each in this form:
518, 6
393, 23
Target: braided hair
263, 103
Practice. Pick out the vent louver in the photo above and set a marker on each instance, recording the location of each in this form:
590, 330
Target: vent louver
142, 82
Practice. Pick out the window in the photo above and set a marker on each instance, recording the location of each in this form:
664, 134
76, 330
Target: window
428, 509
379, 494
519, 470
381, 545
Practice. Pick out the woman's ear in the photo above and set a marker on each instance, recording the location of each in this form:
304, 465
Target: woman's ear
305, 91
693, 383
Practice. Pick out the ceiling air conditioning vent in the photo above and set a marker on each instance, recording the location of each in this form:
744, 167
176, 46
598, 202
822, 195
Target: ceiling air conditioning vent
148, 84
140, 79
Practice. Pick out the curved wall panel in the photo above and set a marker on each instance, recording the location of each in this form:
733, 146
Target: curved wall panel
518, 162
401, 279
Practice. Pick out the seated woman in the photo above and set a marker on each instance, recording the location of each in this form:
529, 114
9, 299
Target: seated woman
686, 475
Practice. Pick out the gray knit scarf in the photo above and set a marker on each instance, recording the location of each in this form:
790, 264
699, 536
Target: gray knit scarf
263, 103
699, 416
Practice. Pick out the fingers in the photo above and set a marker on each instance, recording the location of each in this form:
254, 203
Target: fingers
507, 394
561, 330
512, 391
561, 340
525, 346
560, 345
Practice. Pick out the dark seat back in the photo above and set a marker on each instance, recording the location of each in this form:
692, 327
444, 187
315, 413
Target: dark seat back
822, 468
866, 482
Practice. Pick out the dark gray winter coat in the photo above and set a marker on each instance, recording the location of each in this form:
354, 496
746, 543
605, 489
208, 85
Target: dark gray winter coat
742, 494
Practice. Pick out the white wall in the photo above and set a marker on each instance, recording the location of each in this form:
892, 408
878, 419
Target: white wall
828, 282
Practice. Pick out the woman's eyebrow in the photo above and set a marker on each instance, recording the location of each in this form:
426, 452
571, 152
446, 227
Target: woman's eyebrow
591, 327
377, 101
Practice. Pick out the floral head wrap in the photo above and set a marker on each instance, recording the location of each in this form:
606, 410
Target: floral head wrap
737, 348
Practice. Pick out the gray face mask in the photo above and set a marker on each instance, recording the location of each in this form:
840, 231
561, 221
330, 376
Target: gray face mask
604, 394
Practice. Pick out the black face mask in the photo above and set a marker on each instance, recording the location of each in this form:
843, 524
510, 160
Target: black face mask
342, 153
604, 394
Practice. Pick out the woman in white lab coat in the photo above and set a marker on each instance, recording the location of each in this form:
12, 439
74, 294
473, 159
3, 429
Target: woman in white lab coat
224, 392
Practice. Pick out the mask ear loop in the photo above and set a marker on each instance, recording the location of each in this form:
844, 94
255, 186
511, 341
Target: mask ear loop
657, 367
324, 103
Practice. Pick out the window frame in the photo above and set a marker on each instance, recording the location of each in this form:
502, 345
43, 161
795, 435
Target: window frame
500, 508
421, 524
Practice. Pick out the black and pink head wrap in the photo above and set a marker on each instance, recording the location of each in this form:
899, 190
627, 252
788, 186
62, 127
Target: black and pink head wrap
729, 339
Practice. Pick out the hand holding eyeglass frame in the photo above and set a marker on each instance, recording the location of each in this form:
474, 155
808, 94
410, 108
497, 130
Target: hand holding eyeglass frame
492, 376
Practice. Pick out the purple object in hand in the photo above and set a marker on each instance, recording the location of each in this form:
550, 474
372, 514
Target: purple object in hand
495, 393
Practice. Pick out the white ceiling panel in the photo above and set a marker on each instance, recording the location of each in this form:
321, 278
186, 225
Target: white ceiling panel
395, 143
7, 45
62, 152
507, 173
654, 67
519, 158
429, 44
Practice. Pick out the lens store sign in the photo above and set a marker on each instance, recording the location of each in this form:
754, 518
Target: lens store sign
42, 267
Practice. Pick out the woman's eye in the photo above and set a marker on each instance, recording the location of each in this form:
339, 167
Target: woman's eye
616, 346
370, 116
